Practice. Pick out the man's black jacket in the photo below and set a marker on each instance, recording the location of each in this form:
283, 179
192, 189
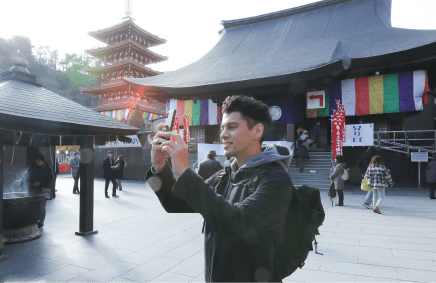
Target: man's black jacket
108, 172
208, 167
35, 173
244, 217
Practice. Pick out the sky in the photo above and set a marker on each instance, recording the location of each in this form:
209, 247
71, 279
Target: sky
189, 26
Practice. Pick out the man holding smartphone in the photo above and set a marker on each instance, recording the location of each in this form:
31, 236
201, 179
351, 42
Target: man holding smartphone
244, 205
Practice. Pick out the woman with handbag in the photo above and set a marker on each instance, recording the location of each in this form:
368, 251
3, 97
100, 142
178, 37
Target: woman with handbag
379, 178
337, 179
119, 170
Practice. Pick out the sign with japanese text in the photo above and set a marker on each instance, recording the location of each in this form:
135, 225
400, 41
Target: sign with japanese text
419, 156
186, 134
359, 135
338, 129
316, 99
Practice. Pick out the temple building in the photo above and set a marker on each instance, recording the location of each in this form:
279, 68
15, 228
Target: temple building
126, 55
323, 52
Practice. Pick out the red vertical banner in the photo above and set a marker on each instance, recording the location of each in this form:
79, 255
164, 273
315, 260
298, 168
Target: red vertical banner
362, 96
338, 130
186, 134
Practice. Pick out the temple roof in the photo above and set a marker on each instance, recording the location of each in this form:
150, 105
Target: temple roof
119, 84
311, 41
121, 65
103, 51
30, 104
102, 34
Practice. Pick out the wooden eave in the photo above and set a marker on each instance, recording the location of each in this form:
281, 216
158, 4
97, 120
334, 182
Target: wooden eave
108, 32
122, 65
103, 51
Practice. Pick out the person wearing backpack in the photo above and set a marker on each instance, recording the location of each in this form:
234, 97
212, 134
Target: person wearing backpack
379, 178
244, 206
337, 179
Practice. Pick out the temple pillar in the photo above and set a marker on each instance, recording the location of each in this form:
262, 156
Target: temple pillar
2, 154
86, 171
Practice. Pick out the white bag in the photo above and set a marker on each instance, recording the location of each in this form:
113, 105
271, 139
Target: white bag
345, 176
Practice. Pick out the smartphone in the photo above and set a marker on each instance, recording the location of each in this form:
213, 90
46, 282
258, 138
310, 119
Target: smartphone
169, 122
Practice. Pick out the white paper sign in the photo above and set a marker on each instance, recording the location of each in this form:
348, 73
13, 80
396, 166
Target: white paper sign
316, 99
134, 143
419, 156
359, 135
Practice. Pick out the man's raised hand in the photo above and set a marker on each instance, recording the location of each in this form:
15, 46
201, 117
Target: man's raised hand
178, 151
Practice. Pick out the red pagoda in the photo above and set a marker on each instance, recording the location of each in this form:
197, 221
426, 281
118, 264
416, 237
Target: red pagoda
125, 56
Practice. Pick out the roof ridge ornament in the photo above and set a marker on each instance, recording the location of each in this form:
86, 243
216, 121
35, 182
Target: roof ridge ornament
19, 62
128, 11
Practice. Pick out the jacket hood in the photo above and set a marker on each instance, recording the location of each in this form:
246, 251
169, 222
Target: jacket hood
271, 153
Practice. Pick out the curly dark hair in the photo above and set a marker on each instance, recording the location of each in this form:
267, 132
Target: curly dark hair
253, 111
376, 160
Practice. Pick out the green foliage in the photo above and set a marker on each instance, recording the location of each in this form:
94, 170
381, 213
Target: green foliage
43, 63
75, 66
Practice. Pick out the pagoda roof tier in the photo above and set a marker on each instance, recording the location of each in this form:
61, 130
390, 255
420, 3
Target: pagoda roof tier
103, 34
323, 39
97, 90
104, 51
122, 65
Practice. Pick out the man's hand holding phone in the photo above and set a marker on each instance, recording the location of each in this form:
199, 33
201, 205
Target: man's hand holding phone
162, 146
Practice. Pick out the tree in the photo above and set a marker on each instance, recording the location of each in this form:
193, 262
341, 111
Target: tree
74, 67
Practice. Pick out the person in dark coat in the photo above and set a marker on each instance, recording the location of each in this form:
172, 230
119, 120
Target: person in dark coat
75, 164
363, 164
244, 216
38, 179
209, 166
108, 167
336, 178
431, 177
301, 153
120, 164
316, 134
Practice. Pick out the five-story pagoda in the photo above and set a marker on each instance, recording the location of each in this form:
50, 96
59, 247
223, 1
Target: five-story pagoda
125, 56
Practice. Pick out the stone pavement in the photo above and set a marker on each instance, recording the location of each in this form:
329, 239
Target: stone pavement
138, 241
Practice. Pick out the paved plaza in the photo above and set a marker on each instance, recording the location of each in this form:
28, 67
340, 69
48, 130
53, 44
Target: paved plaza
138, 241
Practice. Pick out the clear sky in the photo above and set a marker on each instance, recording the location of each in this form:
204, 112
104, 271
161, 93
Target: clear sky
189, 26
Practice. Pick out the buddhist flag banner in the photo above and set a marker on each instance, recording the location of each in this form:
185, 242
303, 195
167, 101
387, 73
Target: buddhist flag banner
200, 112
389, 93
285, 111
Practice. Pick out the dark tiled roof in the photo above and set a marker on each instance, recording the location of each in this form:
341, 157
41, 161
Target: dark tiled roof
294, 44
23, 100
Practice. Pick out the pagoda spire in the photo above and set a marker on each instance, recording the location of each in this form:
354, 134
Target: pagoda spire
128, 11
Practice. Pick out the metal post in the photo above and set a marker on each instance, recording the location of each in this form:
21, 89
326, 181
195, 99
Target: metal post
419, 175
86, 170
2, 154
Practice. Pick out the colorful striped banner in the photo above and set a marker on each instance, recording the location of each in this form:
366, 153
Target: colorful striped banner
196, 113
390, 93
200, 112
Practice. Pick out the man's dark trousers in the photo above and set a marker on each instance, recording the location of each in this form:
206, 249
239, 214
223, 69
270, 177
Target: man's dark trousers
76, 185
114, 182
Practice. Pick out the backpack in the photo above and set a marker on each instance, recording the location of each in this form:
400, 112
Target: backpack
305, 215
345, 176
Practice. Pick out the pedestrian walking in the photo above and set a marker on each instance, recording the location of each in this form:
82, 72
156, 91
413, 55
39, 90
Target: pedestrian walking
74, 164
301, 153
363, 164
243, 228
431, 178
317, 134
379, 178
336, 178
120, 164
109, 167
209, 166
